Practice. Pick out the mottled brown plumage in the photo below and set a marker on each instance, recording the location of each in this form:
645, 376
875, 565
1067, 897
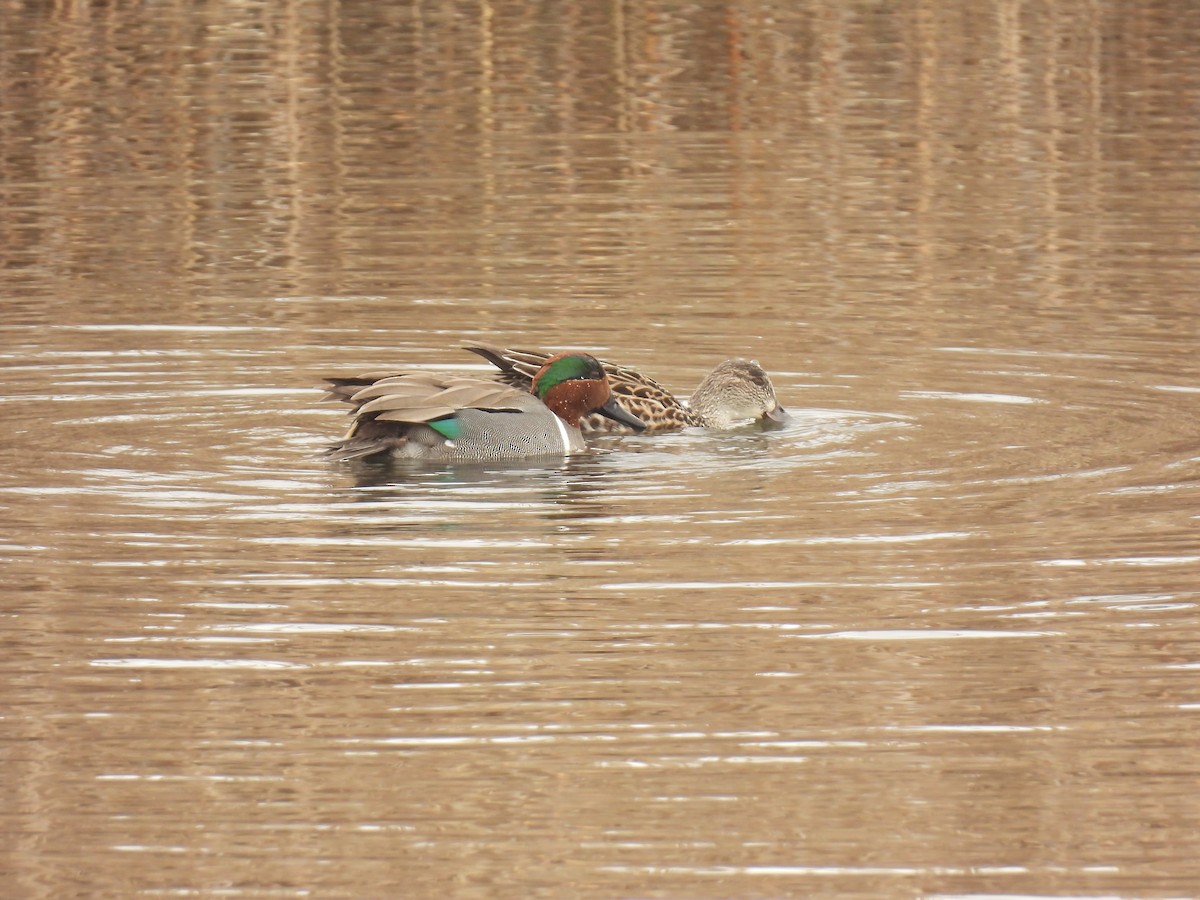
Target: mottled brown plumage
736, 391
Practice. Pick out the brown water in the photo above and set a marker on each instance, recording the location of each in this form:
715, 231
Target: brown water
939, 637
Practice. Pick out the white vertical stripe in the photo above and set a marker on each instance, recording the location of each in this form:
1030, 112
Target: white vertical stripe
566, 435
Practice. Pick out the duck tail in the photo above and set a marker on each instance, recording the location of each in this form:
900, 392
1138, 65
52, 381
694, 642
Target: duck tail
517, 367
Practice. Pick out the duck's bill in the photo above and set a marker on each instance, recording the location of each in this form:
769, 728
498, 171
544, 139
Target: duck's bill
611, 410
778, 414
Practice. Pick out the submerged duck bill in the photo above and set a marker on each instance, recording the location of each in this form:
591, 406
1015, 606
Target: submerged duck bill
778, 414
611, 410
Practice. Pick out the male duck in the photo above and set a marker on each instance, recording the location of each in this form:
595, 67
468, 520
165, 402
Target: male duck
418, 415
735, 392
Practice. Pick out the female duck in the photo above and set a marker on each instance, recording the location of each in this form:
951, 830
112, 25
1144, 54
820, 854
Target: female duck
418, 415
735, 392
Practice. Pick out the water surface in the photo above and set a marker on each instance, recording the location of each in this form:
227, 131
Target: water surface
937, 637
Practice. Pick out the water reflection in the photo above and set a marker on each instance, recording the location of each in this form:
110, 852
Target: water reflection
934, 637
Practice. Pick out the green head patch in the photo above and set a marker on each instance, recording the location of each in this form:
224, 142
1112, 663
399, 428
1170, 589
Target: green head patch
566, 368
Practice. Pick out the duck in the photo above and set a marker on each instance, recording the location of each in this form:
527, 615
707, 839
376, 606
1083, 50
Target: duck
736, 392
427, 416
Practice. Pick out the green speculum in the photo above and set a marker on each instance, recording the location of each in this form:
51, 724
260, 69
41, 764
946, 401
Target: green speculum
449, 427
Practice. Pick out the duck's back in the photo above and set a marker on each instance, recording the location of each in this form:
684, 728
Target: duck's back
637, 394
417, 415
